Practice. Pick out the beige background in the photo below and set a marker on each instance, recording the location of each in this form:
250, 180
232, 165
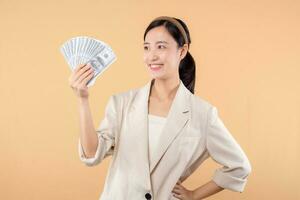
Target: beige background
248, 65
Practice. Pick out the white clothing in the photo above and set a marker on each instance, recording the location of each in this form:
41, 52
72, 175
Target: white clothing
155, 126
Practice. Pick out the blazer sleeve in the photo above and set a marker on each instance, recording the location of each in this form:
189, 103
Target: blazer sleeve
106, 133
225, 150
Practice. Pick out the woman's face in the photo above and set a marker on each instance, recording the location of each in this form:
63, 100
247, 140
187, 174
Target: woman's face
161, 54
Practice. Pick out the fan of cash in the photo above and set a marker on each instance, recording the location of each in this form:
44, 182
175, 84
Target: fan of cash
83, 50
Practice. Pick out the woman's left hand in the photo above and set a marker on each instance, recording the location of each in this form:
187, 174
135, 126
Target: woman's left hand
181, 192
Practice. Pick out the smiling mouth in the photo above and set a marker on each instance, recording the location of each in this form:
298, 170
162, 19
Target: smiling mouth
155, 66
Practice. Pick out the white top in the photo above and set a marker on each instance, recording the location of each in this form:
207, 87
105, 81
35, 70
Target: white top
155, 126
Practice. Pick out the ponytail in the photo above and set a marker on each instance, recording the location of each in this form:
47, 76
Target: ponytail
187, 71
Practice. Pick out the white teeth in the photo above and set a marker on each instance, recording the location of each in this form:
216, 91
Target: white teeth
155, 66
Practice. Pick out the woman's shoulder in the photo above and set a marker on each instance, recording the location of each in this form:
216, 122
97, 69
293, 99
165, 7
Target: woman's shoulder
125, 97
201, 103
198, 104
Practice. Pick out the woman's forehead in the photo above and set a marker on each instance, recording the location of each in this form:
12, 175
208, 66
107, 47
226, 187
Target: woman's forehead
158, 35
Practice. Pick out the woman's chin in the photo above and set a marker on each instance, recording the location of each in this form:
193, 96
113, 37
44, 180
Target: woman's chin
156, 75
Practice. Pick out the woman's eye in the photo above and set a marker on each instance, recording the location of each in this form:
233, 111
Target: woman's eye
145, 48
161, 47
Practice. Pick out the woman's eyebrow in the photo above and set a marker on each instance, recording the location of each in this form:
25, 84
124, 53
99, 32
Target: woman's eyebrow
161, 42
157, 42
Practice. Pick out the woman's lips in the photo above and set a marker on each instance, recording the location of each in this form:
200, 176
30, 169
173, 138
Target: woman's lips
156, 67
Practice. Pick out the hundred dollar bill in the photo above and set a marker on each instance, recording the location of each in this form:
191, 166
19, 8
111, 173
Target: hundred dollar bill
100, 62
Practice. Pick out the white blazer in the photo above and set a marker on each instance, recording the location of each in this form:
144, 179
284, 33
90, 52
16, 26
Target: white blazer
193, 132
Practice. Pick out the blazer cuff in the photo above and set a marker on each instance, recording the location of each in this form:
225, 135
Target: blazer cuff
101, 153
225, 180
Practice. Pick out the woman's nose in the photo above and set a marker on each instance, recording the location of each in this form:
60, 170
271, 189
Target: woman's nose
153, 55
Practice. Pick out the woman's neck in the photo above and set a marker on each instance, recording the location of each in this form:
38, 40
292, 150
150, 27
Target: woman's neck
164, 90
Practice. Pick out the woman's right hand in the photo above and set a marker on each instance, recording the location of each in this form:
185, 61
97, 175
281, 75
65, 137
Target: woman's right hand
79, 78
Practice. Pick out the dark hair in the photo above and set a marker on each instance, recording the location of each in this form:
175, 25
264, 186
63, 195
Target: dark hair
187, 66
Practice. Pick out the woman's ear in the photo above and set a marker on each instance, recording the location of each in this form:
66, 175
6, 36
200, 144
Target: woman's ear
184, 50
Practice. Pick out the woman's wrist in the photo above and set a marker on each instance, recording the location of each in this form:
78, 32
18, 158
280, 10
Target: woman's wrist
83, 100
194, 195
206, 190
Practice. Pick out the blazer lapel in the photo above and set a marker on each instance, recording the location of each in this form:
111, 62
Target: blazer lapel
177, 117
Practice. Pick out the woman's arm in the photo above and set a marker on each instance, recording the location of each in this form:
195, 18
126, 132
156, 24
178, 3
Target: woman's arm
206, 190
225, 150
77, 81
100, 143
88, 136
